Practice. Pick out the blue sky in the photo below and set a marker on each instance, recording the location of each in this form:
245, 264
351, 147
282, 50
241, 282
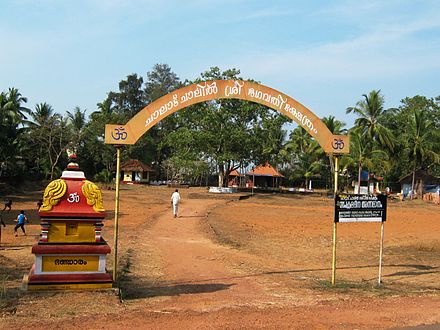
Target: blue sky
325, 54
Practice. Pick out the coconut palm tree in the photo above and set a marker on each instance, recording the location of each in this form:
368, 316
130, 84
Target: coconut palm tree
105, 108
420, 135
337, 128
12, 111
77, 122
12, 121
305, 156
309, 164
42, 117
361, 154
299, 140
43, 111
370, 113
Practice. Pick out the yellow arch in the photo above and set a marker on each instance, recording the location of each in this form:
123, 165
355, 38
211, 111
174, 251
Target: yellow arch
229, 89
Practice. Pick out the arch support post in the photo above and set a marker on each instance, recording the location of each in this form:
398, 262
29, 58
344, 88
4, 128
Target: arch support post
335, 224
116, 225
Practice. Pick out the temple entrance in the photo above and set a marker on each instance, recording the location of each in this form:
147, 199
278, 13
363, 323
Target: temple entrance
153, 113
230, 89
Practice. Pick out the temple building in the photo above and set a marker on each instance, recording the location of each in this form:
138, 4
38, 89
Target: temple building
265, 177
134, 171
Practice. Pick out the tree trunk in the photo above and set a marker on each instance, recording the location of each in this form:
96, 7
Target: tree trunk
54, 163
332, 171
226, 179
221, 175
359, 177
413, 182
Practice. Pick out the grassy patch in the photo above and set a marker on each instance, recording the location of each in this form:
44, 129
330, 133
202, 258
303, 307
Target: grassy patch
125, 263
364, 287
8, 298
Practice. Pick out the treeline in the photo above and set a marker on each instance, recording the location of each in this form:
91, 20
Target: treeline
215, 137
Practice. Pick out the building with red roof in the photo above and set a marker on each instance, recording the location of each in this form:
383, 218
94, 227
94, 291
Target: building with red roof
265, 176
236, 179
134, 171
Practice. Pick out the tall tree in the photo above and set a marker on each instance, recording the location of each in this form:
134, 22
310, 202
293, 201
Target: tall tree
304, 156
48, 138
361, 155
13, 118
228, 128
160, 81
131, 98
399, 121
40, 117
12, 110
226, 132
420, 136
77, 122
43, 111
336, 127
269, 139
96, 157
370, 111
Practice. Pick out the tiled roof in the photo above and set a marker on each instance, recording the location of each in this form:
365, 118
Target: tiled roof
265, 170
135, 165
235, 173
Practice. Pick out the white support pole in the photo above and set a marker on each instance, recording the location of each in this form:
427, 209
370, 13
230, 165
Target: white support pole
379, 281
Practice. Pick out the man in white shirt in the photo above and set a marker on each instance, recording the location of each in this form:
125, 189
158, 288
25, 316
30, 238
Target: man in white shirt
175, 200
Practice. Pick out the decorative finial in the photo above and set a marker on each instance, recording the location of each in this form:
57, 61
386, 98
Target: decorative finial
73, 165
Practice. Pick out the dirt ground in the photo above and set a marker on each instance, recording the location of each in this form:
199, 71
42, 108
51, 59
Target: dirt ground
262, 262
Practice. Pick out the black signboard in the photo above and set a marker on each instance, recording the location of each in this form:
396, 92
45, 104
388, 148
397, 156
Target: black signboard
360, 208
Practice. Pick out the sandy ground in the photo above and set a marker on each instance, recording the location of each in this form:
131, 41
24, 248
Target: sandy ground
224, 263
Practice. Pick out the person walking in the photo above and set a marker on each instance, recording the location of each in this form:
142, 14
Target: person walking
8, 205
175, 200
21, 219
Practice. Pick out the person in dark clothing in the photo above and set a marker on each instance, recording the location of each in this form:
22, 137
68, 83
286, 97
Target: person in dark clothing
8, 205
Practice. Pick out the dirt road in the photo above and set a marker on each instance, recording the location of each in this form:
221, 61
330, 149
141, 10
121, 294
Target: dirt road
227, 264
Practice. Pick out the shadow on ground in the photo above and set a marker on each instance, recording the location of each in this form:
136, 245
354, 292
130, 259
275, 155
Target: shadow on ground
132, 292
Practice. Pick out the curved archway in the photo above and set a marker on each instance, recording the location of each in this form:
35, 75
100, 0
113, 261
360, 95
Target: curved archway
225, 89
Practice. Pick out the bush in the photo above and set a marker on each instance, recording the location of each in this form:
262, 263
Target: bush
104, 176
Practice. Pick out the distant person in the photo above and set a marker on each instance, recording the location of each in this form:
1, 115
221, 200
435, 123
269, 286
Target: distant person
21, 219
8, 205
39, 204
175, 200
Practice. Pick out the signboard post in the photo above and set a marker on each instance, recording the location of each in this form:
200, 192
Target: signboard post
381, 252
116, 229
361, 208
336, 173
